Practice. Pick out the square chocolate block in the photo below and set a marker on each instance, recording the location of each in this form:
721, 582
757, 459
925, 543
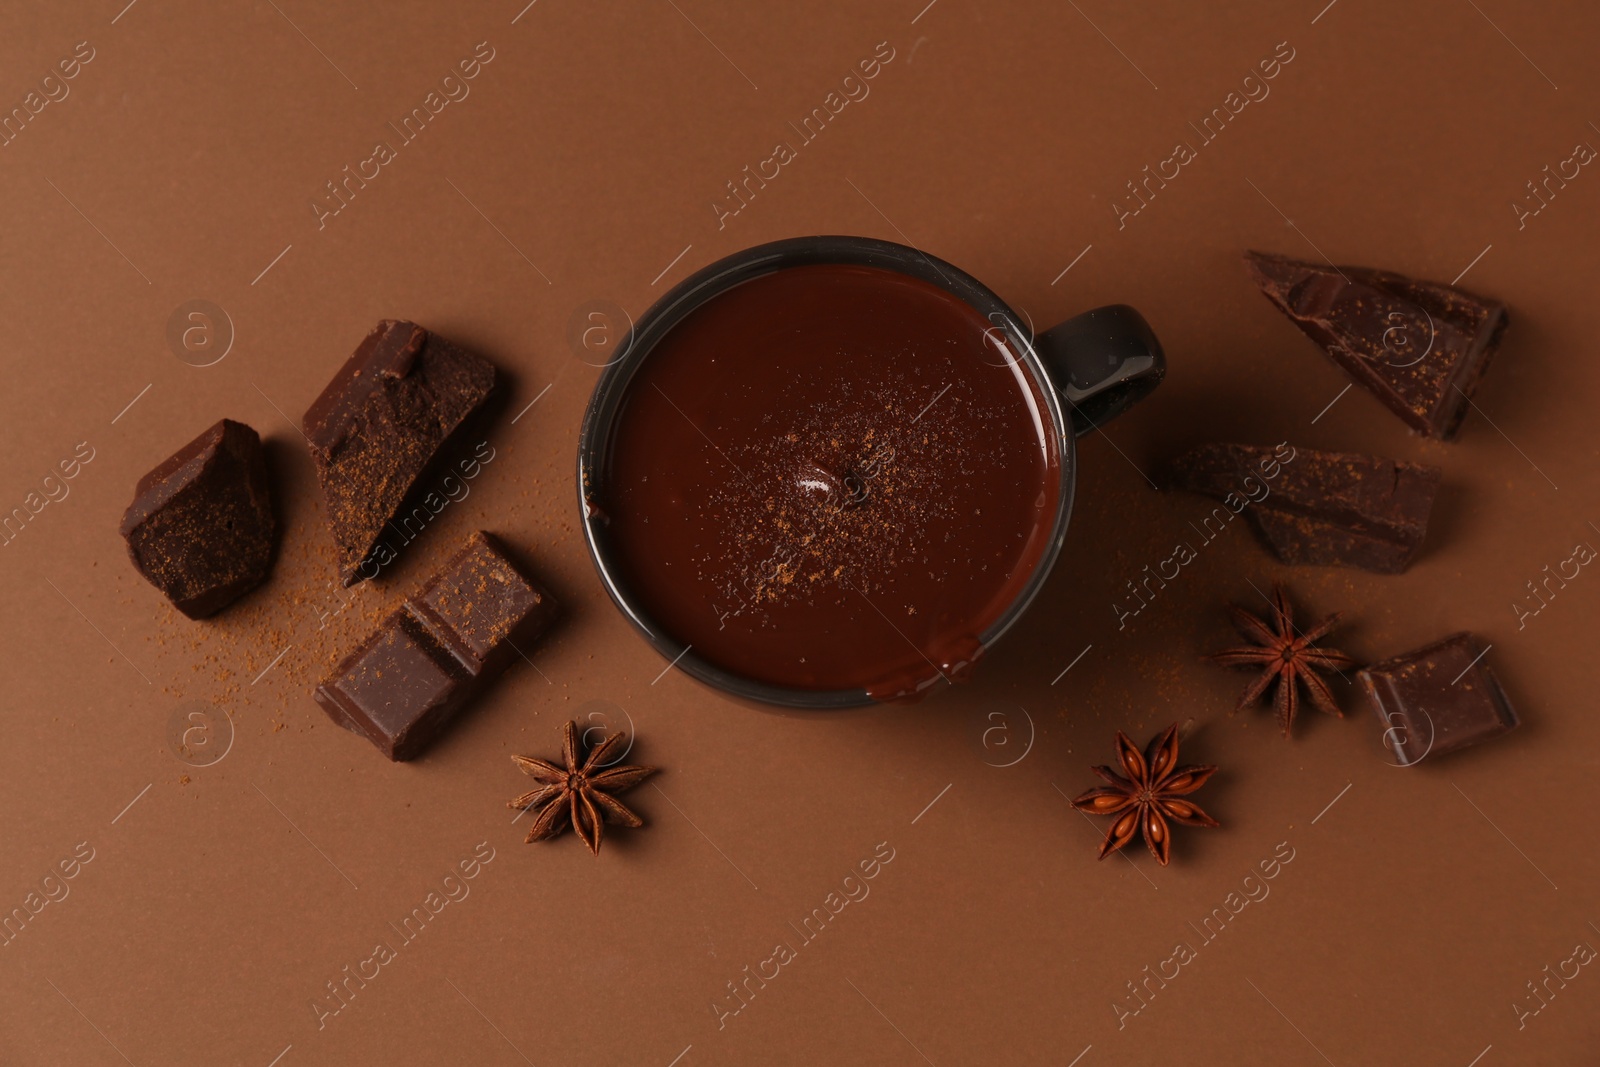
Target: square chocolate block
406, 682
473, 606
1437, 699
394, 689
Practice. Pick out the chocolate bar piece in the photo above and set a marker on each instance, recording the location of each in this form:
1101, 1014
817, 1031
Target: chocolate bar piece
1419, 347
1327, 508
378, 425
1437, 699
200, 527
438, 650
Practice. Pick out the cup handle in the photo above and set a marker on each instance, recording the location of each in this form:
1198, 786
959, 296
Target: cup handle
1102, 363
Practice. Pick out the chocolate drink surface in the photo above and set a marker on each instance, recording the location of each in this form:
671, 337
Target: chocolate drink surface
829, 478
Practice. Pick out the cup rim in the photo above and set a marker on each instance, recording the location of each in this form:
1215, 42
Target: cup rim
595, 435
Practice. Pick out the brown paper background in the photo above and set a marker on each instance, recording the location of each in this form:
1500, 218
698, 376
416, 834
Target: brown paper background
219, 904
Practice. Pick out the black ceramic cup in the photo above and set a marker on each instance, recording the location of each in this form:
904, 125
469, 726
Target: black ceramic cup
1089, 369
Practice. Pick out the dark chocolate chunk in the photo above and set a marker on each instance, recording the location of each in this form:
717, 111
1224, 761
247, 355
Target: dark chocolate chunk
1420, 347
200, 527
1437, 699
1327, 508
378, 425
440, 648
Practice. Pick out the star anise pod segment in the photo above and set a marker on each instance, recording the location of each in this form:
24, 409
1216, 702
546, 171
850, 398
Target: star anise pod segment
1148, 795
1286, 657
579, 795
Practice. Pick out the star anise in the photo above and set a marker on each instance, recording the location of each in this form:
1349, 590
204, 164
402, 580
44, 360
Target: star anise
579, 794
1149, 796
1289, 658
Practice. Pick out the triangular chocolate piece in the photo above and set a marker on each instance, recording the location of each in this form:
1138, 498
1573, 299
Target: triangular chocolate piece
1329, 508
376, 429
1419, 347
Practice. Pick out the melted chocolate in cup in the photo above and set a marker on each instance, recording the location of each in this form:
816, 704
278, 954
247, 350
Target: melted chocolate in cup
824, 479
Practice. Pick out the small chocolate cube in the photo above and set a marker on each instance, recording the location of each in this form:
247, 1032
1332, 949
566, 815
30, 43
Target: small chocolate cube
407, 681
1437, 699
200, 527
